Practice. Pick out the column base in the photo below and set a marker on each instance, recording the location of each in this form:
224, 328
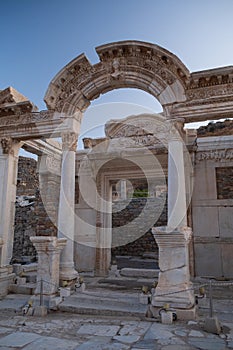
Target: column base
6, 278
68, 275
177, 299
182, 314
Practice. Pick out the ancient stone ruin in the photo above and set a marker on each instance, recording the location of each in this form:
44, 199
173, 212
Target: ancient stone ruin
150, 186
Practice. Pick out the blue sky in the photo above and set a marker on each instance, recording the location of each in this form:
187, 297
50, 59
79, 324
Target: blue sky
39, 37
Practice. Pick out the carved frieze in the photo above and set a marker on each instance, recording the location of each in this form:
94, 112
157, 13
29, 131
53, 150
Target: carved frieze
217, 155
28, 118
206, 92
119, 66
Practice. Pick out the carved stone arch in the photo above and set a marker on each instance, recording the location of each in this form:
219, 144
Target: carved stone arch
125, 64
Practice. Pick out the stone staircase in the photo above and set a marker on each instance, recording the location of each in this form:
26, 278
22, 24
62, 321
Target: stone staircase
25, 280
116, 295
98, 302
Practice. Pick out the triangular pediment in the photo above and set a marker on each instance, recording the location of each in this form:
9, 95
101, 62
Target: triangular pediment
10, 96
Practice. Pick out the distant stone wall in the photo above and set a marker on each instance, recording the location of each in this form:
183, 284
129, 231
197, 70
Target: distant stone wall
224, 176
25, 227
125, 218
25, 218
27, 180
31, 217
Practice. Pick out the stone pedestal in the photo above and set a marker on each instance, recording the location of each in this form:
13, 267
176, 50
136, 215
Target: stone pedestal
48, 249
174, 278
6, 278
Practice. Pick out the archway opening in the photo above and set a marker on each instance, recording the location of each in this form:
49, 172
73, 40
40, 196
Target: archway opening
115, 104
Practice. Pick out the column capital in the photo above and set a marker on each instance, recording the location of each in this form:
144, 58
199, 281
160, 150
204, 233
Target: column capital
69, 141
176, 132
48, 243
6, 143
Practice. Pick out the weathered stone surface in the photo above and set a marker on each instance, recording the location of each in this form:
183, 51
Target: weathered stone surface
207, 343
99, 330
52, 343
18, 339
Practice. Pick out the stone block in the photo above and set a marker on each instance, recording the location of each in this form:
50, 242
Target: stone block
203, 227
205, 182
212, 325
40, 311
186, 314
22, 289
21, 280
227, 259
226, 221
208, 260
54, 302
64, 292
167, 317
139, 273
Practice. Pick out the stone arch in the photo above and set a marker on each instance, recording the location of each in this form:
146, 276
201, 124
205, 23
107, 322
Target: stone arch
125, 64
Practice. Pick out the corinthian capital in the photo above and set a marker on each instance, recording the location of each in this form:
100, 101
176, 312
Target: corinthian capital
6, 143
69, 141
176, 131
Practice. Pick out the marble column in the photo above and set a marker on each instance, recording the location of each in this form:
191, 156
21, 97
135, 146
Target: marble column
8, 174
177, 210
48, 250
174, 285
66, 211
123, 189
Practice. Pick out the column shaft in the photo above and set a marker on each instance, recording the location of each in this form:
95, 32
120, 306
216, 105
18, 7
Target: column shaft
66, 214
176, 185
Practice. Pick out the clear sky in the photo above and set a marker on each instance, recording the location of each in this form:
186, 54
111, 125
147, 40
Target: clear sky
39, 37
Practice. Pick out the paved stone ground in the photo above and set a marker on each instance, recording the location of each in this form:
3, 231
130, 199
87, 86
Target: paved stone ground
67, 331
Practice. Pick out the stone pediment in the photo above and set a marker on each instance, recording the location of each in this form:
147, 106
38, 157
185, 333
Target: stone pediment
13, 102
141, 130
10, 96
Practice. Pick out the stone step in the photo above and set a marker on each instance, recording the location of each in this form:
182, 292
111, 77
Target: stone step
140, 273
94, 304
27, 288
125, 283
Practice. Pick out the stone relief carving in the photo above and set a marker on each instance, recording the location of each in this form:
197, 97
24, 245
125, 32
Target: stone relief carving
216, 155
116, 62
213, 91
117, 74
28, 118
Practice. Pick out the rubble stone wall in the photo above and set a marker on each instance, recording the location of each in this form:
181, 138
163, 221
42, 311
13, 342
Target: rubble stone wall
124, 224
25, 218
